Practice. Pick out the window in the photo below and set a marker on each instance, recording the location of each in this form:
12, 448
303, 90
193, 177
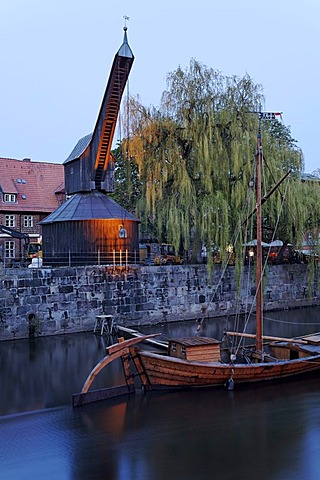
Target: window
122, 232
10, 251
10, 220
9, 197
183, 350
28, 221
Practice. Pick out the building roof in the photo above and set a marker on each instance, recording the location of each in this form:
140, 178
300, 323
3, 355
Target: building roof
125, 50
89, 206
36, 184
79, 148
305, 177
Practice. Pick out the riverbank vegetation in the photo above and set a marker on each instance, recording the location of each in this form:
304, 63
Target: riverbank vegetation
186, 168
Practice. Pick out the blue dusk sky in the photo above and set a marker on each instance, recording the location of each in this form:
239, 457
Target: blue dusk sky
56, 58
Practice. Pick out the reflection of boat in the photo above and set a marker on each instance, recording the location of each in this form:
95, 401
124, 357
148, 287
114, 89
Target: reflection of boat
201, 361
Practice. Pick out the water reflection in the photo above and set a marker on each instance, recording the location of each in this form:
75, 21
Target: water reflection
267, 431
45, 372
270, 432
287, 323
206, 434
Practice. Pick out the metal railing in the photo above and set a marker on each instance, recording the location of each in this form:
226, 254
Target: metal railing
71, 258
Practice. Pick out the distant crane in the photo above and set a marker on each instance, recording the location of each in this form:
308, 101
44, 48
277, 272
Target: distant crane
15, 234
21, 236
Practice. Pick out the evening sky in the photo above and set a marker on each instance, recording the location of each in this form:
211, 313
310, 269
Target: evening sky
56, 58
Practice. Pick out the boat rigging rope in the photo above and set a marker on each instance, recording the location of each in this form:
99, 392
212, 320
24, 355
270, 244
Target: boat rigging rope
243, 308
263, 269
275, 320
238, 341
233, 242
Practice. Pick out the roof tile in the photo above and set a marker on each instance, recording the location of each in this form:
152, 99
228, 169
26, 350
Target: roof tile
35, 184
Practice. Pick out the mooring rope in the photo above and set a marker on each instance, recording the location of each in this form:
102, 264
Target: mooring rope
290, 322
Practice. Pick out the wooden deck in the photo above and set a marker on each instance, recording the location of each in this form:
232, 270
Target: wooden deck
313, 338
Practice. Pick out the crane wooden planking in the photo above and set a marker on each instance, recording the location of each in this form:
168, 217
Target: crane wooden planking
90, 164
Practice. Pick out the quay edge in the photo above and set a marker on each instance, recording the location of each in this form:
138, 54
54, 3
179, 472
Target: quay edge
47, 301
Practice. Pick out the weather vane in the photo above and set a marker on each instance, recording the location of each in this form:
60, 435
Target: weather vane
125, 20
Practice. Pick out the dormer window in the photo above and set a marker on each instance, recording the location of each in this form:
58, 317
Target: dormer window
9, 197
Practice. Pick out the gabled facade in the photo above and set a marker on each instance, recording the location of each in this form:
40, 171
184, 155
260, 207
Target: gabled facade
29, 192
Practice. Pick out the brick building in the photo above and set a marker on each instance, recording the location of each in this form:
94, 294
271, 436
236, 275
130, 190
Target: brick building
29, 192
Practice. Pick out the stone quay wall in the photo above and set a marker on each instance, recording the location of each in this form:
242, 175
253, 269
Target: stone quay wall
45, 301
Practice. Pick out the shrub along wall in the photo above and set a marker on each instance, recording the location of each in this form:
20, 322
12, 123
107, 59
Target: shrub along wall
37, 302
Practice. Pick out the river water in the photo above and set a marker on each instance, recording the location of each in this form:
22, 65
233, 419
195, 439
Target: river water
267, 431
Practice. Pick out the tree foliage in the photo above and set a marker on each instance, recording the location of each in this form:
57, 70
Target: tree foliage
196, 155
127, 183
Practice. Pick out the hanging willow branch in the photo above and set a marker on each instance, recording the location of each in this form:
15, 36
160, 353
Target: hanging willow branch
195, 156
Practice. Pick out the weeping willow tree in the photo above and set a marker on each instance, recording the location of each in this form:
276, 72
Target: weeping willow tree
196, 154
127, 182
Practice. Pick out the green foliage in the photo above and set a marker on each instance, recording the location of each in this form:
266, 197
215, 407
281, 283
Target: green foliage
195, 158
127, 184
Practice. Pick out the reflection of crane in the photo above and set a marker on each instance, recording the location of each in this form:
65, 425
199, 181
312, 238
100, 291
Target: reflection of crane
90, 164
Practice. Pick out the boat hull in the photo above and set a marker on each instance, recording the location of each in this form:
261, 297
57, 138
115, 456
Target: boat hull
161, 371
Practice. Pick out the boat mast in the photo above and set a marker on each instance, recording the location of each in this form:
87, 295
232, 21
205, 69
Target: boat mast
259, 156
259, 307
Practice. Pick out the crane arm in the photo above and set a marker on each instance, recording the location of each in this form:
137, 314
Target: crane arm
15, 233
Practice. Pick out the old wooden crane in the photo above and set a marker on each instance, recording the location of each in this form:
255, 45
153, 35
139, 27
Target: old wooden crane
91, 228
90, 164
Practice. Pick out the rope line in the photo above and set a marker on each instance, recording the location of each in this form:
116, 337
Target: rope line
290, 323
248, 315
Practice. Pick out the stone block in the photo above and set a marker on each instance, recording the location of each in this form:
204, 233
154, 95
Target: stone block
66, 288
71, 297
34, 299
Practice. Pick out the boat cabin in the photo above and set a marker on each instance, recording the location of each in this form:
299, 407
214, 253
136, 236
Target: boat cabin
200, 349
305, 346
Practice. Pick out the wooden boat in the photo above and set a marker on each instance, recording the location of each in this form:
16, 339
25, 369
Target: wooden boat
131, 333
203, 362
198, 361
190, 363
